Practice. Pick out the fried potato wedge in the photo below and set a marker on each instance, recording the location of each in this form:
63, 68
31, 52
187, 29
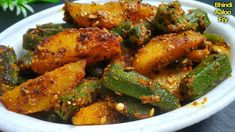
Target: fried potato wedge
108, 15
96, 114
41, 93
91, 44
164, 49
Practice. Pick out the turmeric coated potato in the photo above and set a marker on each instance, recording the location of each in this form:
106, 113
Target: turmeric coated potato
162, 50
41, 93
96, 114
91, 44
108, 15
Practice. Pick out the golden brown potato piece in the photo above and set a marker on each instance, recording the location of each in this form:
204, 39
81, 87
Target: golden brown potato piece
164, 49
91, 44
96, 114
198, 55
170, 78
108, 15
41, 93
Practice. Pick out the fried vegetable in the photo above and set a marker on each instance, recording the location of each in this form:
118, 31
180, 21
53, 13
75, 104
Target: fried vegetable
97, 69
214, 38
83, 95
198, 55
25, 62
216, 44
199, 19
108, 15
208, 74
137, 34
35, 36
96, 114
133, 108
50, 116
40, 94
138, 86
122, 29
162, 50
171, 18
127, 106
140, 34
170, 79
9, 71
221, 49
91, 44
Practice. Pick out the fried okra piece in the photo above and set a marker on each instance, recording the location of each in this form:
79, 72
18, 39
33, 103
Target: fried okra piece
108, 15
9, 71
91, 44
137, 34
122, 29
198, 20
35, 36
140, 34
133, 108
209, 73
131, 83
171, 18
128, 106
41, 93
84, 94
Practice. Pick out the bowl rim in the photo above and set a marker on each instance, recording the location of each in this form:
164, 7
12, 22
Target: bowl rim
144, 124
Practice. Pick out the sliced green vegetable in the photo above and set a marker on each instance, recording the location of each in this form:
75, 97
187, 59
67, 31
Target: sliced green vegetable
138, 86
135, 34
133, 108
35, 35
122, 29
214, 38
82, 96
25, 62
171, 18
9, 71
127, 106
140, 34
199, 19
208, 74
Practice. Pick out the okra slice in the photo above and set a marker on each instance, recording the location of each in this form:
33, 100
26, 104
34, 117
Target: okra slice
9, 71
122, 29
199, 19
136, 34
138, 86
208, 74
140, 33
133, 108
127, 106
25, 62
83, 95
35, 35
171, 18
214, 38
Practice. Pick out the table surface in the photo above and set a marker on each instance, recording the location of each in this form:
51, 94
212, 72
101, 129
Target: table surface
222, 121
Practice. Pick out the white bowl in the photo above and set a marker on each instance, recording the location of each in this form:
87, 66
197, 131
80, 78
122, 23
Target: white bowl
218, 98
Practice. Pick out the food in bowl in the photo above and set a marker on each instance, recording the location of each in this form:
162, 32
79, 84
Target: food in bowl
111, 63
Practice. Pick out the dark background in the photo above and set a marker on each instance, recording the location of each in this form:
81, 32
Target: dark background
223, 121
